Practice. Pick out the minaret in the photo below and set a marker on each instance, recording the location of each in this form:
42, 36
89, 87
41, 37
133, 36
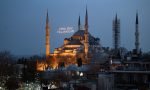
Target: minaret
116, 34
47, 44
137, 33
86, 36
79, 24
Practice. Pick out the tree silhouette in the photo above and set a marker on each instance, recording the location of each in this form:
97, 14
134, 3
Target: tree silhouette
12, 83
7, 69
79, 62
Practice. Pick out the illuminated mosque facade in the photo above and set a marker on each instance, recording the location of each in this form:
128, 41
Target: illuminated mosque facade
81, 45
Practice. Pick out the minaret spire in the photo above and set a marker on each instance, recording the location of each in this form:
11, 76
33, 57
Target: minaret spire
47, 44
116, 19
137, 21
86, 35
79, 23
47, 20
116, 34
86, 19
137, 34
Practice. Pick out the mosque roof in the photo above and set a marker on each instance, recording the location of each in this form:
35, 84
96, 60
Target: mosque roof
80, 33
75, 42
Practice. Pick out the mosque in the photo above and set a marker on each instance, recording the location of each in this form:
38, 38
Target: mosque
80, 46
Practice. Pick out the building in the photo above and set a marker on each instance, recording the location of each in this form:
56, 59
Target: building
105, 81
81, 45
116, 34
137, 43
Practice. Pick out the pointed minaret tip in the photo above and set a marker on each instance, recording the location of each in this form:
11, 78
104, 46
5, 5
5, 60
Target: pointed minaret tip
79, 23
86, 8
86, 18
47, 17
116, 18
137, 21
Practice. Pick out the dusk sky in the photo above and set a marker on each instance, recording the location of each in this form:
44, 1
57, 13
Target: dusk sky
22, 22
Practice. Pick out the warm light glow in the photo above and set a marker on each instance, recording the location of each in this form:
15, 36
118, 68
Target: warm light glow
41, 66
54, 66
65, 54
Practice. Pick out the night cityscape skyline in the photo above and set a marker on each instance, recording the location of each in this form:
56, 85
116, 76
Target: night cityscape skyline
23, 23
74, 45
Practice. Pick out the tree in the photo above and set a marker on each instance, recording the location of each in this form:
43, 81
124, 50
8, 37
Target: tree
79, 62
7, 69
61, 64
12, 83
29, 72
6, 63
